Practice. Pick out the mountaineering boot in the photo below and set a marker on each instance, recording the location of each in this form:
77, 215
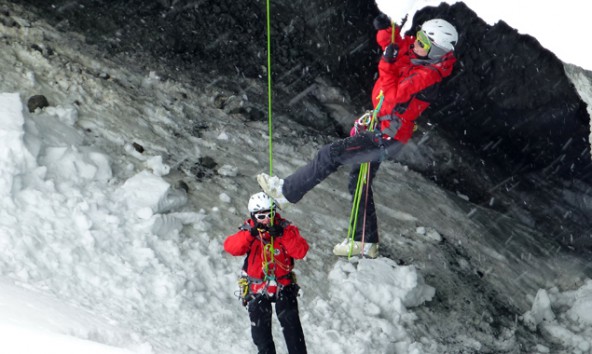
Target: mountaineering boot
272, 186
370, 250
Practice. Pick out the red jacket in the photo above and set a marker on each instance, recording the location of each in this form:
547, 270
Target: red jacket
287, 247
402, 80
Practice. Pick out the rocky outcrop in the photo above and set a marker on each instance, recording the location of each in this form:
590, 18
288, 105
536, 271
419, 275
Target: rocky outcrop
507, 119
511, 102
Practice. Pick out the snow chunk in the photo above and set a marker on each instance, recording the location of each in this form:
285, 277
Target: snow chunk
429, 232
70, 163
384, 282
222, 136
15, 158
147, 190
541, 310
157, 166
581, 310
225, 197
67, 115
228, 171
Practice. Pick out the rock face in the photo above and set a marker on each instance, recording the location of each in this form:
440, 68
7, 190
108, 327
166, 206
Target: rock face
507, 118
511, 102
226, 42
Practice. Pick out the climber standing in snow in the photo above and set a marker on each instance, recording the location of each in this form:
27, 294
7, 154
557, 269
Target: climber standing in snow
271, 244
410, 70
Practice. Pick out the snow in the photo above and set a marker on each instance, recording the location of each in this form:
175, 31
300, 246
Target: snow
559, 26
34, 323
115, 246
575, 319
102, 253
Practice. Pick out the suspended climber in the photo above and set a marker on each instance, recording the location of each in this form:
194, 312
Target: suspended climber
271, 244
410, 70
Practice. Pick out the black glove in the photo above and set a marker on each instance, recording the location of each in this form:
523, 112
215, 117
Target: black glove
390, 53
254, 230
276, 230
381, 21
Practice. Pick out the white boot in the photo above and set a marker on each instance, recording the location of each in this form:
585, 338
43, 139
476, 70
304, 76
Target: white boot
342, 249
272, 186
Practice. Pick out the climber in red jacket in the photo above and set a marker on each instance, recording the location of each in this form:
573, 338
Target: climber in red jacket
410, 69
267, 273
409, 72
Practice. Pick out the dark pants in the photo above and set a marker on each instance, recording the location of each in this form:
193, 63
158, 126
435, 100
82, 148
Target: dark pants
286, 308
364, 147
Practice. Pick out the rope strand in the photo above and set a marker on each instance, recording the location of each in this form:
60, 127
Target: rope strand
363, 178
269, 100
269, 91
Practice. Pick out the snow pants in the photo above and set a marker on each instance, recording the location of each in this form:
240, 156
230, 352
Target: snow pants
354, 150
286, 308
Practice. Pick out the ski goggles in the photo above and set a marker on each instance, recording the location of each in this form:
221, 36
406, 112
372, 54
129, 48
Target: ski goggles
263, 215
423, 40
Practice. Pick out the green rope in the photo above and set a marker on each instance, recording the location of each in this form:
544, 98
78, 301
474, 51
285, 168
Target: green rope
269, 89
269, 107
363, 177
353, 216
268, 248
364, 174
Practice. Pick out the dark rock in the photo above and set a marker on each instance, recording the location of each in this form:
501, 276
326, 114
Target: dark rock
207, 162
37, 101
5, 18
510, 102
182, 185
37, 48
204, 168
139, 148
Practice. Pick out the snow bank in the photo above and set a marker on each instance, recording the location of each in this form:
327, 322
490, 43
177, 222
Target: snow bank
564, 318
379, 291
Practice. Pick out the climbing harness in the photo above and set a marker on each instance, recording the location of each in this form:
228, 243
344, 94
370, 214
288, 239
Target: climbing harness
268, 286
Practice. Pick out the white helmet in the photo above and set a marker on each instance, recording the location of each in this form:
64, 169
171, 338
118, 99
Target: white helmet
259, 202
442, 36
